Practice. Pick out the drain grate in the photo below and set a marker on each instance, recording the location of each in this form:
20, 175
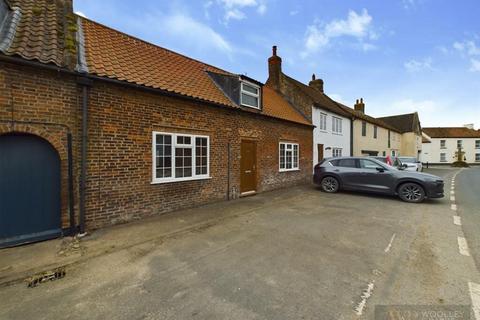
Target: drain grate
51, 275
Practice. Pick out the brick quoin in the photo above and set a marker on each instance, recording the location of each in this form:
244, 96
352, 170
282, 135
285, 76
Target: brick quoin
121, 122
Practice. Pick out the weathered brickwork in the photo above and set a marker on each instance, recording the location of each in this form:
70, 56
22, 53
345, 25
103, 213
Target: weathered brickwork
42, 103
121, 122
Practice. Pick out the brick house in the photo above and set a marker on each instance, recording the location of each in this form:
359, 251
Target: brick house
332, 135
98, 127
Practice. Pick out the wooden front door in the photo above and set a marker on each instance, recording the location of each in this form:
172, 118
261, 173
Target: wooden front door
248, 172
320, 152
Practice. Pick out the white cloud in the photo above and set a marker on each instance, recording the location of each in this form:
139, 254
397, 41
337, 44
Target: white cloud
234, 14
475, 65
469, 49
294, 12
409, 105
196, 33
418, 65
262, 8
80, 13
358, 26
235, 9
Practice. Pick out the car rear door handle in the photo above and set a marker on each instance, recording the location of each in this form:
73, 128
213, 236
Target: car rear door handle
248, 171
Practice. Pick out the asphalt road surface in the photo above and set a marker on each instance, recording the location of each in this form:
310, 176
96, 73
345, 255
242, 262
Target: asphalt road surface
302, 254
467, 194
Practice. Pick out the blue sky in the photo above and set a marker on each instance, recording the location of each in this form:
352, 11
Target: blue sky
399, 55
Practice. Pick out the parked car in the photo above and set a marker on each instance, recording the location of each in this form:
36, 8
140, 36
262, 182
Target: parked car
411, 164
372, 175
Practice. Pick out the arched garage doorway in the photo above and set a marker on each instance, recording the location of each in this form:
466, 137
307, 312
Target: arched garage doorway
30, 205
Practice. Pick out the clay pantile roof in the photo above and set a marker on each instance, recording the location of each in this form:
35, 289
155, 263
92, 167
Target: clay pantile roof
403, 122
276, 106
320, 99
451, 132
113, 54
40, 30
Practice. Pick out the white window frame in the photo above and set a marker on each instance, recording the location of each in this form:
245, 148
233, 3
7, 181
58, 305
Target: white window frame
477, 157
460, 144
443, 144
174, 136
322, 126
336, 125
248, 93
295, 166
443, 157
336, 152
477, 144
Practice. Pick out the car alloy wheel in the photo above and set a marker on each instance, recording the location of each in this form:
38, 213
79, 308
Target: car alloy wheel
330, 184
411, 192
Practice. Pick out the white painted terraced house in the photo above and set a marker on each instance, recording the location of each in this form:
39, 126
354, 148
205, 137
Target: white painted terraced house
440, 145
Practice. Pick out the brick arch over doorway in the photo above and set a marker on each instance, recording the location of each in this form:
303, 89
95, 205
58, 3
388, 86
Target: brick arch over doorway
56, 135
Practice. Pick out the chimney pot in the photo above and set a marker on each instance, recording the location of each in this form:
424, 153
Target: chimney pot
360, 106
274, 69
317, 84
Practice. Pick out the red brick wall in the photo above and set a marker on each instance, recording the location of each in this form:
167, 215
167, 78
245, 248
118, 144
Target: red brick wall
41, 103
121, 121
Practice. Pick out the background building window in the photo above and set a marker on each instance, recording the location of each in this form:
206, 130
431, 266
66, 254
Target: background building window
179, 157
336, 125
323, 122
459, 143
288, 157
375, 128
364, 128
443, 157
336, 152
443, 144
477, 144
250, 95
477, 157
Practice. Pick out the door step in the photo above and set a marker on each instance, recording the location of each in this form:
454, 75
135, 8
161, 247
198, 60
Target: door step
248, 193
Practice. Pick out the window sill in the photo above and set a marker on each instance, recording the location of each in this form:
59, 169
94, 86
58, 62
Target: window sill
179, 180
249, 106
337, 134
288, 170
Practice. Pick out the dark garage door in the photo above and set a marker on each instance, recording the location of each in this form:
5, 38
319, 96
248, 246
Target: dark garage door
29, 190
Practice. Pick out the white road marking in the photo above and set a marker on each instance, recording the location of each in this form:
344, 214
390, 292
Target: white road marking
365, 295
453, 207
457, 220
452, 198
452, 192
390, 243
474, 290
463, 246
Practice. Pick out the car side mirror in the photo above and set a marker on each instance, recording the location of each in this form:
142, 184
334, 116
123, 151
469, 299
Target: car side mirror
404, 165
380, 169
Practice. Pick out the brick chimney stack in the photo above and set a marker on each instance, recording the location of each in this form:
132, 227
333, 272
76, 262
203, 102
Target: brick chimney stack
360, 106
316, 83
274, 69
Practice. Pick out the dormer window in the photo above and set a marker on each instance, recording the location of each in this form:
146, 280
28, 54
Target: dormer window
250, 95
